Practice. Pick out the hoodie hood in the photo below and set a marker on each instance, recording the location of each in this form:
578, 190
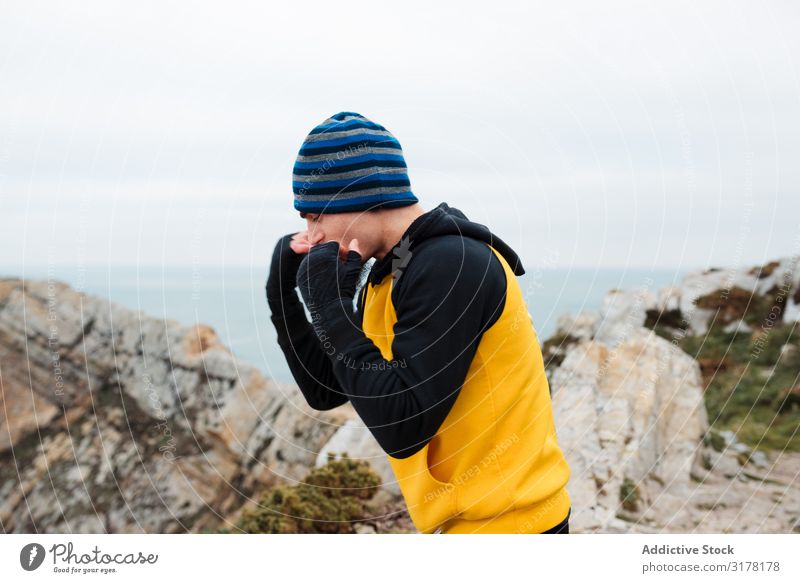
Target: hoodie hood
443, 220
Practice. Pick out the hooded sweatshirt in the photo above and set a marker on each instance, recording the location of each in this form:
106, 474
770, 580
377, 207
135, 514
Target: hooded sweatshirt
442, 363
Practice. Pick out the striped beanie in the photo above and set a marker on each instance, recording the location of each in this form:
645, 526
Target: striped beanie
348, 163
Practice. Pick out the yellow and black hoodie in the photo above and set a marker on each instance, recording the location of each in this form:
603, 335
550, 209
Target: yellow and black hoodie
442, 363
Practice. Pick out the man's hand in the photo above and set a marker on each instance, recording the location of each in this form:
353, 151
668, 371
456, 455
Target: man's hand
301, 243
324, 279
286, 258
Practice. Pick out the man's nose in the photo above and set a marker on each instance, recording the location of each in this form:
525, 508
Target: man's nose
315, 236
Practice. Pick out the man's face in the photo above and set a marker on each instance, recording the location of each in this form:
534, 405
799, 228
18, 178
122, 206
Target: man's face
340, 227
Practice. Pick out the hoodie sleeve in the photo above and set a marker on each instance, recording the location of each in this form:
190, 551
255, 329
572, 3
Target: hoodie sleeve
310, 366
452, 290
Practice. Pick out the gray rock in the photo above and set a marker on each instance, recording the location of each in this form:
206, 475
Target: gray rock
582, 325
737, 326
622, 313
621, 415
629, 411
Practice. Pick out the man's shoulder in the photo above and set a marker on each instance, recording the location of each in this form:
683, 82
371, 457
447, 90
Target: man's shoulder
451, 260
455, 278
445, 248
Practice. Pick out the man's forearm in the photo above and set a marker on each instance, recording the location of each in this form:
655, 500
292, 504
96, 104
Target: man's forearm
310, 367
402, 405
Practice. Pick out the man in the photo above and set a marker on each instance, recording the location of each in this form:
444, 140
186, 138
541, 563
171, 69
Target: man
440, 358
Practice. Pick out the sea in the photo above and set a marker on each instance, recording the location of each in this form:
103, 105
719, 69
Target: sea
232, 300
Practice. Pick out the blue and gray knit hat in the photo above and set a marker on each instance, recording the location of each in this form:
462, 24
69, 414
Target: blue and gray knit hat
348, 163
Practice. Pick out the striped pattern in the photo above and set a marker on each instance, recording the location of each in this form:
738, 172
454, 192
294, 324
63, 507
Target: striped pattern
349, 163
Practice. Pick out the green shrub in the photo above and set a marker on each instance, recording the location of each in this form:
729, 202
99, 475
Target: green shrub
668, 320
749, 380
555, 348
715, 440
740, 304
329, 500
629, 495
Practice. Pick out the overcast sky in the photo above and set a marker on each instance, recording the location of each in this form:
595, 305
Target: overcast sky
600, 134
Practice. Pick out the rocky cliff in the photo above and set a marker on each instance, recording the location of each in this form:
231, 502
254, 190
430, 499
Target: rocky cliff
652, 436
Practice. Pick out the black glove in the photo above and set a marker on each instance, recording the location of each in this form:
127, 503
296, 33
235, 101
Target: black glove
325, 281
282, 279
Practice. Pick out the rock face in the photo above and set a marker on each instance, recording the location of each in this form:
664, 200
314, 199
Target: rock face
125, 423
780, 278
631, 420
674, 306
631, 413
